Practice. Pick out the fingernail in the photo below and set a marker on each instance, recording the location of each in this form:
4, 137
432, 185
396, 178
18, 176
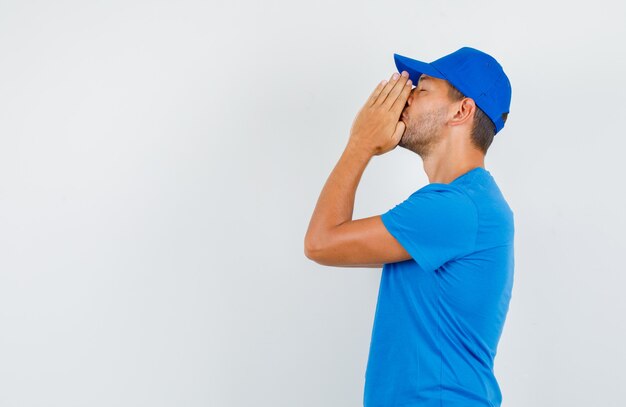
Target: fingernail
396, 76
405, 73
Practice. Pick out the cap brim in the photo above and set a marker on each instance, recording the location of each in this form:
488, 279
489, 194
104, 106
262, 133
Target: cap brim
415, 68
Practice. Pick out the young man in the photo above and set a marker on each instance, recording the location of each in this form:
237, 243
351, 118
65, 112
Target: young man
447, 249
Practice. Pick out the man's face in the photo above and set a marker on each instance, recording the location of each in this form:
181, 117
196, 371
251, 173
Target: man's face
425, 115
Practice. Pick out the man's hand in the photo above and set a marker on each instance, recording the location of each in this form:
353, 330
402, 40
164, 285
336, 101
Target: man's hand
376, 128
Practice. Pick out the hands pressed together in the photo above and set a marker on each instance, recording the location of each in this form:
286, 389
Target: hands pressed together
376, 128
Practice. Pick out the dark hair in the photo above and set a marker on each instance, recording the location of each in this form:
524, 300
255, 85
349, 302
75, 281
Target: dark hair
483, 130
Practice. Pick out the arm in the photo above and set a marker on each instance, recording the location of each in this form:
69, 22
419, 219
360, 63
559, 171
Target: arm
333, 238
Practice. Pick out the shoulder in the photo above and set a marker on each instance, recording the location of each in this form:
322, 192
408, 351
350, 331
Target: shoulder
435, 206
444, 196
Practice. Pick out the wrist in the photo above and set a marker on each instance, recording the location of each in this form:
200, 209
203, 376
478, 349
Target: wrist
359, 151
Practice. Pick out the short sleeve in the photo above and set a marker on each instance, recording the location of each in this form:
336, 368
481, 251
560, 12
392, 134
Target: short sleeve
436, 224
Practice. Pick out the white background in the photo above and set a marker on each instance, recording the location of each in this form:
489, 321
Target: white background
160, 161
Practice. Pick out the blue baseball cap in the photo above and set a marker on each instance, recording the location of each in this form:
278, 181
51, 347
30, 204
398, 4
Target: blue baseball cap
474, 73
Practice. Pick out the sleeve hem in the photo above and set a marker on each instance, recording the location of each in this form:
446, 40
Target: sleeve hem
397, 233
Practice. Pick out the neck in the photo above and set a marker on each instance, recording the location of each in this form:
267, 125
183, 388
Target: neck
449, 161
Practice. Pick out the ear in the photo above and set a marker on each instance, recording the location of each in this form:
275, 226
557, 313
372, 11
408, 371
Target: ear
463, 112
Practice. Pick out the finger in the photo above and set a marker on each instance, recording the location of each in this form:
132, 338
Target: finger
386, 90
395, 92
400, 101
376, 92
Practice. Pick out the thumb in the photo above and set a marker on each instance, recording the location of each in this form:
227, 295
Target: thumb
397, 134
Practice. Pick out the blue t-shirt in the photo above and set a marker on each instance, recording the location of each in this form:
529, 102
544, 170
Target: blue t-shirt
440, 315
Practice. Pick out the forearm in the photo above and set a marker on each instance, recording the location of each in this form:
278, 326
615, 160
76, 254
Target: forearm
335, 204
